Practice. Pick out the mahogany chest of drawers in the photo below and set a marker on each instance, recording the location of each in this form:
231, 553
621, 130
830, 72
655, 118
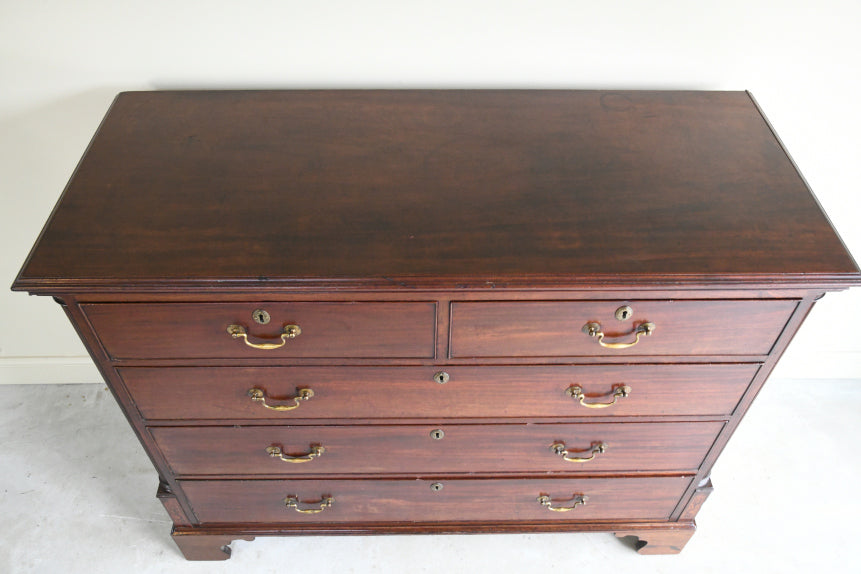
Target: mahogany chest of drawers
435, 311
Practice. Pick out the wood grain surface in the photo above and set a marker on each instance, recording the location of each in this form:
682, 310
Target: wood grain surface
202, 393
410, 449
365, 187
368, 501
554, 328
199, 330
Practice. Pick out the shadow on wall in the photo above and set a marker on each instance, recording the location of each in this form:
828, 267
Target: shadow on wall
39, 148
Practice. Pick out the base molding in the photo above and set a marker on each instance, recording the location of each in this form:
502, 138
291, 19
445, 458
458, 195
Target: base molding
668, 540
198, 545
213, 542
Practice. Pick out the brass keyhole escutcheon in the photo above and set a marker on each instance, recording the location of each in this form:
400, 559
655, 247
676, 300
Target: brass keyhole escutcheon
624, 313
260, 316
436, 487
441, 377
437, 434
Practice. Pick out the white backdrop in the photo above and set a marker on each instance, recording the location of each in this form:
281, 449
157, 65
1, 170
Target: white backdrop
61, 63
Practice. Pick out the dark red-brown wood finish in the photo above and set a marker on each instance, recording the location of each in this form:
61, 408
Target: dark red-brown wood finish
369, 188
440, 448
400, 393
485, 311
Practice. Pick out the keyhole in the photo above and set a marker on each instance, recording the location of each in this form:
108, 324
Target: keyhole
624, 312
437, 434
436, 487
441, 377
260, 316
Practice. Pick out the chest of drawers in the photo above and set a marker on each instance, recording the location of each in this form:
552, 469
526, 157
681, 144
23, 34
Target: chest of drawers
435, 311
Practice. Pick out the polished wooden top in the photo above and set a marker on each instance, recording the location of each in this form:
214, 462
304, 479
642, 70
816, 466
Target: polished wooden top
449, 189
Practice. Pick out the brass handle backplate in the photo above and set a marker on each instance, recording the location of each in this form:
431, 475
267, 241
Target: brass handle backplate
574, 502
287, 332
619, 392
593, 451
593, 329
303, 507
259, 396
277, 452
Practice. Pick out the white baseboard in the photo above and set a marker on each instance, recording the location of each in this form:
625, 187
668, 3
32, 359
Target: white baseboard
74, 370
48, 370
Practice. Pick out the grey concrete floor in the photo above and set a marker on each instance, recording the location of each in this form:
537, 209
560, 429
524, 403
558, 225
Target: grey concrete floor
78, 496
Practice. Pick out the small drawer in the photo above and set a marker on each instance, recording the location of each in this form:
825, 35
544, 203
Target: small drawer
436, 449
433, 500
306, 329
201, 393
622, 328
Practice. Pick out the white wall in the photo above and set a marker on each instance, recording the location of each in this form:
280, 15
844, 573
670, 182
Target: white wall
62, 62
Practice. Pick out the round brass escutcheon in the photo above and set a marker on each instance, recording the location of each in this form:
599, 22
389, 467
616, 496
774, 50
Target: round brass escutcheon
441, 377
436, 487
624, 313
260, 316
437, 434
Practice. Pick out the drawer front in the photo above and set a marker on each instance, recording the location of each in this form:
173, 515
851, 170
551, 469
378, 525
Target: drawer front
200, 330
411, 392
555, 328
440, 449
369, 501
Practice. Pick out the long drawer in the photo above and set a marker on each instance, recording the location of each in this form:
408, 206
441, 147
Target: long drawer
310, 329
433, 500
418, 449
414, 392
556, 328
